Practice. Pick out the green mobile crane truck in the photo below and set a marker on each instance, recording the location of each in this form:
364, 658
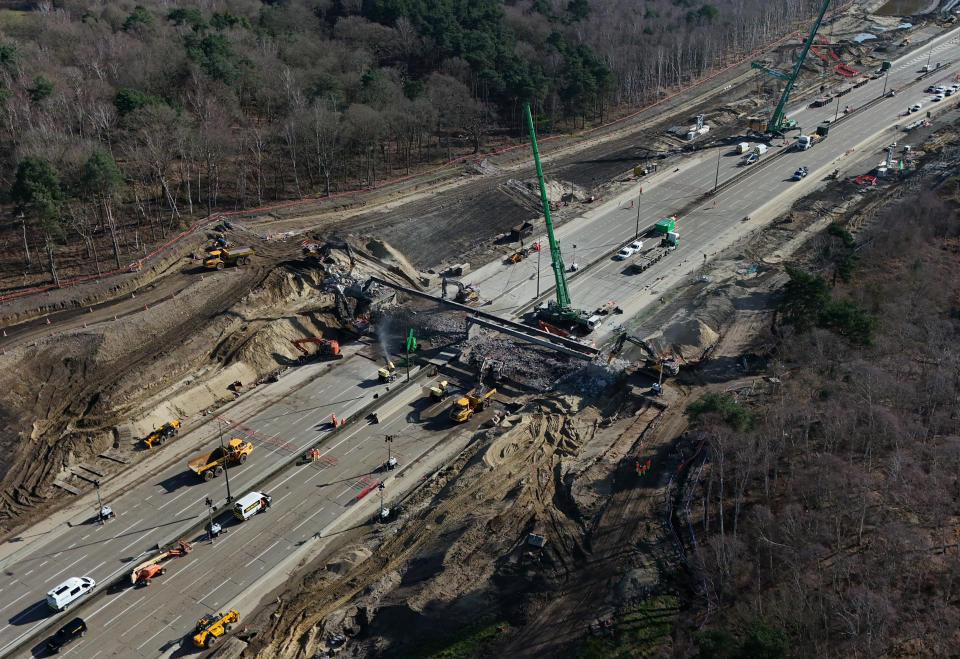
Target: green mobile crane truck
557, 312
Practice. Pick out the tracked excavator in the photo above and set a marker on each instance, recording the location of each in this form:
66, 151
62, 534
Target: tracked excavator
466, 293
339, 244
326, 348
658, 364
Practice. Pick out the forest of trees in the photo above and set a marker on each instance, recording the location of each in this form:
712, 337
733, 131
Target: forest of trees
123, 119
827, 512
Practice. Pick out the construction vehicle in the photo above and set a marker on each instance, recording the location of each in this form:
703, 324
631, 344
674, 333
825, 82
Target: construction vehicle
439, 391
804, 142
210, 465
324, 251
228, 256
559, 311
162, 434
326, 348
472, 401
387, 373
659, 364
209, 630
466, 293
141, 574
665, 226
778, 123
646, 259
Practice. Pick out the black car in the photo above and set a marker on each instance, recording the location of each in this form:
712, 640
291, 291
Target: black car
69, 632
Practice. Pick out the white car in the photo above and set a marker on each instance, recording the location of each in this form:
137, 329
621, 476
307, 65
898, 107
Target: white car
939, 90
69, 591
915, 107
624, 253
636, 245
938, 97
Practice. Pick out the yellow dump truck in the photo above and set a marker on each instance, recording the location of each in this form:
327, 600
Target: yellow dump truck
210, 465
209, 630
161, 434
471, 402
228, 256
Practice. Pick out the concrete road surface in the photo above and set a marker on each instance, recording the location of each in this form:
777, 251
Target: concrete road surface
604, 230
310, 497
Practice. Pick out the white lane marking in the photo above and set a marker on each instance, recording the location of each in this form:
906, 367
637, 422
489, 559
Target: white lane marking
66, 568
344, 492
116, 617
16, 600
139, 539
26, 574
190, 505
220, 585
308, 519
257, 557
44, 563
172, 500
106, 604
127, 529
159, 631
96, 566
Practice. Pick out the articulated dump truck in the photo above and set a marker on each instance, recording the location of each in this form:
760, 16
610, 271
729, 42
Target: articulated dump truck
210, 465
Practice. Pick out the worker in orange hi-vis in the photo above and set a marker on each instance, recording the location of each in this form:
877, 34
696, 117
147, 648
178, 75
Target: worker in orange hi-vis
334, 417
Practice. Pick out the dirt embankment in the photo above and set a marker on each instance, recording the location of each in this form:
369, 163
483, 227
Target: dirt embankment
64, 398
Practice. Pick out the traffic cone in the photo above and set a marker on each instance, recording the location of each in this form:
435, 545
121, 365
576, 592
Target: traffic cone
48, 320
342, 421
91, 309
84, 326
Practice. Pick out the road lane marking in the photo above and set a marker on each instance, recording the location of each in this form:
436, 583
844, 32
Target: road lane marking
16, 600
106, 604
172, 500
257, 557
66, 568
220, 585
308, 519
159, 631
139, 539
127, 529
130, 628
179, 512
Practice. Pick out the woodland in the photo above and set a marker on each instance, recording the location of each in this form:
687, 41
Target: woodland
827, 510
124, 120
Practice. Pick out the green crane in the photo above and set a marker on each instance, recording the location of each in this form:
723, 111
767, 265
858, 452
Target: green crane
779, 123
559, 311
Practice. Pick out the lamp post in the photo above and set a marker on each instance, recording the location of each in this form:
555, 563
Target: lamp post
837, 113
389, 441
636, 234
885, 83
226, 472
716, 181
96, 484
210, 509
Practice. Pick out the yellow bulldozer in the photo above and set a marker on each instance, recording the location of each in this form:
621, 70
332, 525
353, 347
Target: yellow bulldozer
161, 434
472, 401
209, 630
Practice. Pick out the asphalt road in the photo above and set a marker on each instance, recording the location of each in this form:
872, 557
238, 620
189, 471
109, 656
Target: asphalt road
706, 230
308, 498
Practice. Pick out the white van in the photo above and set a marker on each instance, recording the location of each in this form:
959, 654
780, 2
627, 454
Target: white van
250, 504
69, 591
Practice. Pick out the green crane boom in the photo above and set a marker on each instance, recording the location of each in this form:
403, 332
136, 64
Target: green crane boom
563, 296
779, 119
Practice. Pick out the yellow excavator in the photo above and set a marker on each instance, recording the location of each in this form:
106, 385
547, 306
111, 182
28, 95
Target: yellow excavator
661, 365
209, 630
466, 293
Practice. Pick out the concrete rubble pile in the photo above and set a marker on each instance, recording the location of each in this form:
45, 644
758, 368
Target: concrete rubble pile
527, 364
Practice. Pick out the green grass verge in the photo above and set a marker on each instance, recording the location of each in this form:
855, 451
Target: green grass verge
466, 642
639, 633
